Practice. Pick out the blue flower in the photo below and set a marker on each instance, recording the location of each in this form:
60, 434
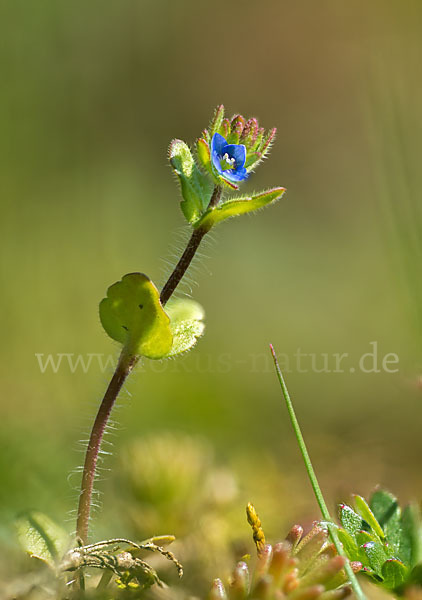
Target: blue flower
228, 160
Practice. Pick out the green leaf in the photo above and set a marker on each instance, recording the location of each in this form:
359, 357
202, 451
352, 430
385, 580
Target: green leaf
402, 529
41, 538
238, 206
372, 551
367, 514
410, 536
351, 521
197, 188
385, 509
349, 545
390, 520
415, 577
363, 536
394, 573
186, 324
132, 315
376, 556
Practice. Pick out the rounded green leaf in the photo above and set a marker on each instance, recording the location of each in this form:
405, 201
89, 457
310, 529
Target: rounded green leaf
186, 324
394, 573
41, 538
132, 315
372, 550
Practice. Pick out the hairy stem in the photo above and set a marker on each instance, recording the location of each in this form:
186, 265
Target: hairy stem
187, 256
182, 266
124, 367
314, 481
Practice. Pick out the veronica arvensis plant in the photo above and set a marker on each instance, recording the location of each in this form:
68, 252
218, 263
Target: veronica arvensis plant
151, 324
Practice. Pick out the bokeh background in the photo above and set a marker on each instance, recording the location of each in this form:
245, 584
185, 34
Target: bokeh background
91, 95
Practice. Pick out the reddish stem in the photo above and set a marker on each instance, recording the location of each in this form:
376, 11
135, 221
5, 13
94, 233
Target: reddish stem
124, 367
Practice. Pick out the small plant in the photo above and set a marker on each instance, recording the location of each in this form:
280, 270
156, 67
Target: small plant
385, 539
149, 324
135, 313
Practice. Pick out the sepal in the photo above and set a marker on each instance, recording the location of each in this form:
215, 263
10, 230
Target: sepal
216, 121
226, 153
224, 128
196, 186
260, 149
250, 133
203, 153
236, 129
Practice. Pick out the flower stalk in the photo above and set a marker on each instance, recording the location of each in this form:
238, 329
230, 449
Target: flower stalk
187, 256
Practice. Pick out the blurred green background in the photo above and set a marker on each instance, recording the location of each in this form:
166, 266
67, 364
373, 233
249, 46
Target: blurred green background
92, 93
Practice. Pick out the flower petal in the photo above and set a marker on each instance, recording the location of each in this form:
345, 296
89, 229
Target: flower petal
235, 175
218, 143
238, 152
216, 163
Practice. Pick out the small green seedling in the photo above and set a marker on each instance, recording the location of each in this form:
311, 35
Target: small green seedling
385, 539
